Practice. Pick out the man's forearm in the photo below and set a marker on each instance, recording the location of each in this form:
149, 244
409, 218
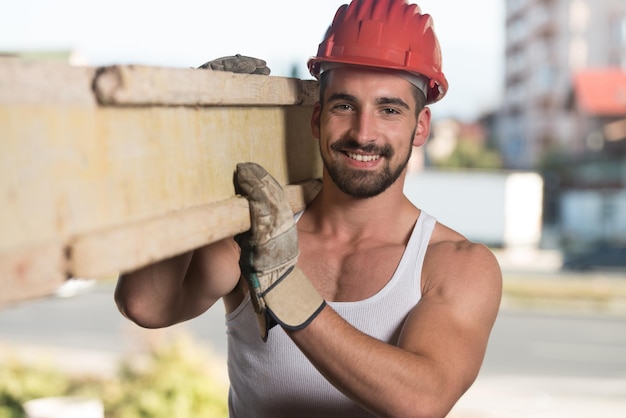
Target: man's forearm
384, 379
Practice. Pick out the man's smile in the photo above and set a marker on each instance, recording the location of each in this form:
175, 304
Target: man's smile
362, 157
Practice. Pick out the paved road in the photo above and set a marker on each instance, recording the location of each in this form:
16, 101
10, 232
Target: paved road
539, 364
553, 365
564, 344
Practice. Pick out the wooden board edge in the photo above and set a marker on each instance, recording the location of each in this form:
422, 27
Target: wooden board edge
31, 272
128, 247
137, 85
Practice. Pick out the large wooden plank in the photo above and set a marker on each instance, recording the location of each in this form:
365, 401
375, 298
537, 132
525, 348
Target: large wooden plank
73, 165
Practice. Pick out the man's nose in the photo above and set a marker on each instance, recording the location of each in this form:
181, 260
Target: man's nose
364, 127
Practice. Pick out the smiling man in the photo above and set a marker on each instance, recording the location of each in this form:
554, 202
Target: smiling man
368, 104
363, 304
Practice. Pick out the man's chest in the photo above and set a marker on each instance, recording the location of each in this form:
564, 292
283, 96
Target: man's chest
345, 273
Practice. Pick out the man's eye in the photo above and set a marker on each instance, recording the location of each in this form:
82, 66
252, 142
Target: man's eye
343, 107
390, 111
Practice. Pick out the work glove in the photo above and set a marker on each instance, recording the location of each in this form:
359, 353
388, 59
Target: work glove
238, 64
279, 290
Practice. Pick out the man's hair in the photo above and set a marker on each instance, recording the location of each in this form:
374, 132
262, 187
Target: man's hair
420, 98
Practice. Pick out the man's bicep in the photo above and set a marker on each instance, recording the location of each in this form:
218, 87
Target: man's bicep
450, 326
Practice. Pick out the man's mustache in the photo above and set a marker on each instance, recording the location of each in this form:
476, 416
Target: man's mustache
348, 144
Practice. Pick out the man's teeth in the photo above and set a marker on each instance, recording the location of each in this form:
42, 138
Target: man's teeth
363, 158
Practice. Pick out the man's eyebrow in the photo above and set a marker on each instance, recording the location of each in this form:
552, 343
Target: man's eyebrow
342, 97
396, 101
393, 101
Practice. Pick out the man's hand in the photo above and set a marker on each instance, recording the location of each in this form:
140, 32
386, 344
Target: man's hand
238, 64
280, 292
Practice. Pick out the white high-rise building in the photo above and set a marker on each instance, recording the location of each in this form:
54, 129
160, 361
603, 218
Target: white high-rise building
547, 43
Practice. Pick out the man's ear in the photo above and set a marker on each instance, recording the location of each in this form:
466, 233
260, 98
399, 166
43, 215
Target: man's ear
423, 127
315, 119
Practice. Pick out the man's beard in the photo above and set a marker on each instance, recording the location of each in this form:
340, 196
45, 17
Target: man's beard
363, 183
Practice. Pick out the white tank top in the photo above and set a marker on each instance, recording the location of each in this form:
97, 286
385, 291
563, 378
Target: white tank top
274, 379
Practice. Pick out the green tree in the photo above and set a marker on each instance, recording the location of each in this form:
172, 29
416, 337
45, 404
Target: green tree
469, 154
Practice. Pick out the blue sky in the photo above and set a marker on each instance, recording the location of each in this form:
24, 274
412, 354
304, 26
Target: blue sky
186, 33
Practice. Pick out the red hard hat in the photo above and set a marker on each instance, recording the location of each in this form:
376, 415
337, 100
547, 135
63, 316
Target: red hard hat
390, 34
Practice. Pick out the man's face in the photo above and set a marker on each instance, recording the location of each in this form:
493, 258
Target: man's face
366, 128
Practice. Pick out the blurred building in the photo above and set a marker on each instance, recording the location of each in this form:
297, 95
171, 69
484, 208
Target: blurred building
550, 45
598, 110
72, 57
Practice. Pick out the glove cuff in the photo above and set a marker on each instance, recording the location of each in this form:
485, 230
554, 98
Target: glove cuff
293, 301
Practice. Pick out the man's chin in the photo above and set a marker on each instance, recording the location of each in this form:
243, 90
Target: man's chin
361, 189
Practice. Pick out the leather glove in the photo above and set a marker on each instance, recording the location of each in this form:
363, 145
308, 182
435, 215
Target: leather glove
280, 292
238, 64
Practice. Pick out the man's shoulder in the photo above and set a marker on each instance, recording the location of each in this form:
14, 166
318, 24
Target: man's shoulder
451, 257
445, 239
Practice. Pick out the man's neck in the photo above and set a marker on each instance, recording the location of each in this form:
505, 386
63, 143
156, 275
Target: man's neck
337, 213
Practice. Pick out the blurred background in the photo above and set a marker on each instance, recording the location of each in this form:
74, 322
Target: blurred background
527, 154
